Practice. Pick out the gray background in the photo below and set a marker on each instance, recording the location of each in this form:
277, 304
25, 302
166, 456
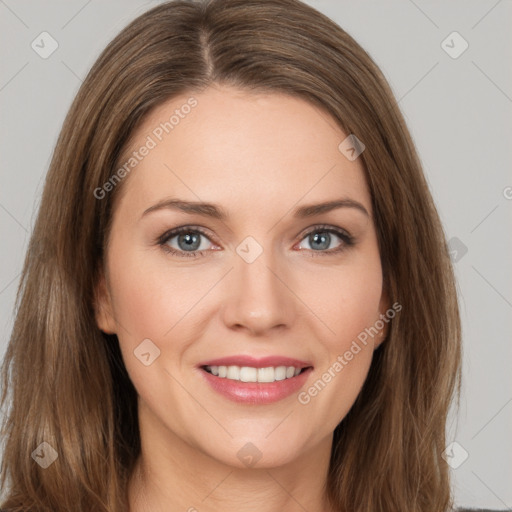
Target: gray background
458, 111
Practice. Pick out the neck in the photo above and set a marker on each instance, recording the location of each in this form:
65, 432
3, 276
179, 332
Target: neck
173, 476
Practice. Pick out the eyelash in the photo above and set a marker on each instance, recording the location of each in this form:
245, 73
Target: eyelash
348, 240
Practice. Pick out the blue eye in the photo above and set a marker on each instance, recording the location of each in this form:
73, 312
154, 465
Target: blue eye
320, 238
188, 241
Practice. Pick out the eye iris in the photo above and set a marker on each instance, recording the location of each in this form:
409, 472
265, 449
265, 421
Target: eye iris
191, 240
321, 238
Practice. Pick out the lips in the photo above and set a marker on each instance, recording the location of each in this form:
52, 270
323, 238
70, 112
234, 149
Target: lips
262, 362
249, 380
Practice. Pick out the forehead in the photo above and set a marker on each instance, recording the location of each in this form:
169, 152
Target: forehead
245, 149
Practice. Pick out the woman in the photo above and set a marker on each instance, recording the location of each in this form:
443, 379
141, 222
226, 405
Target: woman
182, 342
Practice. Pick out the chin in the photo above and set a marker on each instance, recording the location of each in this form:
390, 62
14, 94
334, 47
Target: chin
257, 452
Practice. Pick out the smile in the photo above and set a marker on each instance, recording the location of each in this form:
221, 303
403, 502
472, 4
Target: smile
251, 374
256, 381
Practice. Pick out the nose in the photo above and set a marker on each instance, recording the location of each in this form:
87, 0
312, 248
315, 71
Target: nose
259, 298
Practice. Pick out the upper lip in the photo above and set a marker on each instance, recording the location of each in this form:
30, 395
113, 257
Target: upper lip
260, 362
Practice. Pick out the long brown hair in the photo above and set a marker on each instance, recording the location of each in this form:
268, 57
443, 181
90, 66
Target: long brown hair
65, 380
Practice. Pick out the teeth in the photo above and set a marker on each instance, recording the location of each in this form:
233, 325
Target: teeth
280, 373
233, 372
250, 374
266, 374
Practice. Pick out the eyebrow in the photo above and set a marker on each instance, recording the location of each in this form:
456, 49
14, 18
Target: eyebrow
217, 212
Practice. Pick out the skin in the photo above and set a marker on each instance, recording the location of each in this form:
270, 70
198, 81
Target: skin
258, 156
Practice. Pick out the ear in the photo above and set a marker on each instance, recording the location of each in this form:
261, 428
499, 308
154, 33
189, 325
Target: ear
383, 318
103, 311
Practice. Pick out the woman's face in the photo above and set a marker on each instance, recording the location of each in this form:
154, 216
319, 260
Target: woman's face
273, 283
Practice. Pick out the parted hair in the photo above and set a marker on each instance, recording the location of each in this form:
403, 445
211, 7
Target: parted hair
64, 381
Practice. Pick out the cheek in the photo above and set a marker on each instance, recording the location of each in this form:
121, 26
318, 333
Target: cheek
346, 299
151, 301
150, 296
349, 306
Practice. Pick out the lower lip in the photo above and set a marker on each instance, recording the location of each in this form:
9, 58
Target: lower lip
256, 392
